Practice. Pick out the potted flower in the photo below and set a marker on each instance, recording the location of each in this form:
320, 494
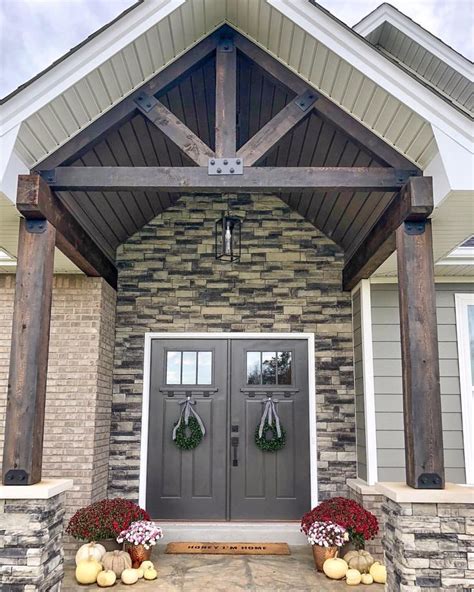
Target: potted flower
104, 520
326, 539
139, 538
360, 524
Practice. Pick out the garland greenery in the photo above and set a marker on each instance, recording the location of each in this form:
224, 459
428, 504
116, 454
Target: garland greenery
276, 443
193, 440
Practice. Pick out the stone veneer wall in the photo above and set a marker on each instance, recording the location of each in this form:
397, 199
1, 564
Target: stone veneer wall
429, 547
288, 280
372, 501
79, 386
31, 550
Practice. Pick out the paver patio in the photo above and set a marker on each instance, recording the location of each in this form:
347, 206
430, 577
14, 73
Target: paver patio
230, 573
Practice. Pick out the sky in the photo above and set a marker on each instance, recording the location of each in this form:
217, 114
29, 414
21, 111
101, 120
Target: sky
34, 33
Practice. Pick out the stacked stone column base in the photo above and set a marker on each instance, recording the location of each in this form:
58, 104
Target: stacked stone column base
31, 537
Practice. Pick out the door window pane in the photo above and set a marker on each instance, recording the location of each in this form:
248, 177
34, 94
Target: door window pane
284, 367
173, 367
204, 368
269, 363
254, 369
470, 316
189, 368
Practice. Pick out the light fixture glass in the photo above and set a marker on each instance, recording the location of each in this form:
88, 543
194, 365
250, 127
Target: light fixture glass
227, 237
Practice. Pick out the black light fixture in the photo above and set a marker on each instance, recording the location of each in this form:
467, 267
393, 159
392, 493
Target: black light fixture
227, 237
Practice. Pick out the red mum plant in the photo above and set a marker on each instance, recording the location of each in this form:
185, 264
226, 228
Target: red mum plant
105, 519
361, 524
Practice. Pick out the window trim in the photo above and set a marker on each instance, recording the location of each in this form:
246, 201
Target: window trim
462, 301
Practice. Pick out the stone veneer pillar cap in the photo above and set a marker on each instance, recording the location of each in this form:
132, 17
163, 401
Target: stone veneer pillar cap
45, 489
403, 493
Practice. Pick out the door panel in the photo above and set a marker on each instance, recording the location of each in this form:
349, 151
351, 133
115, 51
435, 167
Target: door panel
187, 484
270, 485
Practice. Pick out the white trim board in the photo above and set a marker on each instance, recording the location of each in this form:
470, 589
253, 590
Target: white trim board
462, 301
309, 337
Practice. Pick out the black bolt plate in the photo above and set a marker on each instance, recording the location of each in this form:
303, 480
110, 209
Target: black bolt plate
430, 481
225, 45
49, 176
35, 226
306, 100
413, 228
16, 477
145, 102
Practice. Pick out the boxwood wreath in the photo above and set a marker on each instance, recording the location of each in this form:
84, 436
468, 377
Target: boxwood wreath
189, 430
270, 422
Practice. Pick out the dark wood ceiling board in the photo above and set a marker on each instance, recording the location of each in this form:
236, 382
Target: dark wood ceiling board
294, 156
356, 203
255, 104
313, 131
209, 78
243, 100
199, 99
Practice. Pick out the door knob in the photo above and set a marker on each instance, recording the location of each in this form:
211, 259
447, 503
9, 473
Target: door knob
235, 444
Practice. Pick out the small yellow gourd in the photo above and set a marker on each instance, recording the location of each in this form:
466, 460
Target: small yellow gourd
90, 550
335, 568
360, 560
146, 564
129, 576
117, 561
87, 571
353, 577
367, 579
150, 574
140, 571
379, 573
106, 578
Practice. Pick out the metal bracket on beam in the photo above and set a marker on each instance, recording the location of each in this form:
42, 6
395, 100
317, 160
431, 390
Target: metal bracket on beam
225, 166
226, 45
429, 481
145, 101
48, 176
306, 100
16, 477
35, 226
413, 228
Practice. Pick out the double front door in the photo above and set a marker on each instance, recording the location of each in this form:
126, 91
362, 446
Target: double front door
227, 476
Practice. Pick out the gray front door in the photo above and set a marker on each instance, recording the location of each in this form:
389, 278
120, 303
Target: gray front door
227, 477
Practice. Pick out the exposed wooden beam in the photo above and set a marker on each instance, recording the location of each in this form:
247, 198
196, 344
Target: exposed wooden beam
253, 179
271, 133
24, 426
174, 129
35, 201
122, 111
420, 363
359, 134
226, 98
415, 202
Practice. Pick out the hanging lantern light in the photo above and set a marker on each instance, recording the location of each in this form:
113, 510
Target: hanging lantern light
227, 237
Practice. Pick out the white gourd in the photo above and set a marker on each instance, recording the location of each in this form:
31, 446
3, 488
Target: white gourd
90, 550
335, 568
88, 570
129, 576
353, 577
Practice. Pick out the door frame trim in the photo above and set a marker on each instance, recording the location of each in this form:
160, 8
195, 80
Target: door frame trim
308, 337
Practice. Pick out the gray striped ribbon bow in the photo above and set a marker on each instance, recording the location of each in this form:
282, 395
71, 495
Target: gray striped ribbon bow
186, 412
270, 413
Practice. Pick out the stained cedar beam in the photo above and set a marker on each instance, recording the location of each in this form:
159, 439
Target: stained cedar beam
253, 179
174, 129
24, 424
226, 98
272, 132
420, 363
122, 111
35, 201
414, 203
359, 134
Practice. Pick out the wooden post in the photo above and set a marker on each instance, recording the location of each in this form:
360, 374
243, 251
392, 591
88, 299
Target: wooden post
226, 98
23, 448
419, 341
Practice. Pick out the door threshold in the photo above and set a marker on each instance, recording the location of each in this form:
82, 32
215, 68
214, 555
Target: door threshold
228, 532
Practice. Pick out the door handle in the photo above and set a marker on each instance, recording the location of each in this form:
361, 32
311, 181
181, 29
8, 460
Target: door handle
235, 444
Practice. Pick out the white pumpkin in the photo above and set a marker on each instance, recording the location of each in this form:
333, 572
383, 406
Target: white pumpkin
106, 578
353, 577
379, 573
146, 564
335, 568
367, 579
87, 571
360, 560
129, 576
150, 573
90, 550
140, 571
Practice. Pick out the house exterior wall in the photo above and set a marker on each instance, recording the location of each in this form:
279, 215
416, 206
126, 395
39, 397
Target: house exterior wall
388, 381
288, 280
79, 382
359, 386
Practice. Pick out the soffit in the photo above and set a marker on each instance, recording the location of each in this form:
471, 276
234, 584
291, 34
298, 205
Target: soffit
86, 100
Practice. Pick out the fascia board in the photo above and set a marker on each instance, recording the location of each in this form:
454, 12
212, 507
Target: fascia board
387, 13
357, 52
83, 61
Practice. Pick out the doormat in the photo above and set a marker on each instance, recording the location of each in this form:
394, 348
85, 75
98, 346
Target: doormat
229, 548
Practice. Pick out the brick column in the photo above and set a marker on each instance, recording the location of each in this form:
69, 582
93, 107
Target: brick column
31, 536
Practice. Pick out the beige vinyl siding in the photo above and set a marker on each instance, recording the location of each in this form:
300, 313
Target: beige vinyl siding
388, 381
359, 387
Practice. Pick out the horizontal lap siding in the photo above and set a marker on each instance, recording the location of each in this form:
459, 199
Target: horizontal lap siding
359, 387
388, 382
